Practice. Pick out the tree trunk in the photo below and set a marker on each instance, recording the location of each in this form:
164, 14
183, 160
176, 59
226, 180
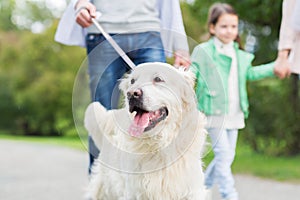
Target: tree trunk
295, 93
295, 101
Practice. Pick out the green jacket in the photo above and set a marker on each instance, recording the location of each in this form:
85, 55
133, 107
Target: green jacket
212, 68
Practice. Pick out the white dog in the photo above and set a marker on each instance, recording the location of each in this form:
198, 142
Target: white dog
150, 149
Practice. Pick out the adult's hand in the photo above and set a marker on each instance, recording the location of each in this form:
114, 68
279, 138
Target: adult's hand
85, 11
182, 59
282, 65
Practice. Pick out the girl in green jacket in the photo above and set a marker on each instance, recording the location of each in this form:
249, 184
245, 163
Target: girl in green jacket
221, 71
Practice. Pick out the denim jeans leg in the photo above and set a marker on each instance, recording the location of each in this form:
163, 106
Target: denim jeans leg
209, 175
224, 143
146, 47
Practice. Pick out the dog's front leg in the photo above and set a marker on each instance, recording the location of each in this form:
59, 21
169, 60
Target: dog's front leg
95, 121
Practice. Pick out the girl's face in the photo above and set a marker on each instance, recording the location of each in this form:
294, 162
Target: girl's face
226, 28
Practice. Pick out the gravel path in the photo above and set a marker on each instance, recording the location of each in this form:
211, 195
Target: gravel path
31, 171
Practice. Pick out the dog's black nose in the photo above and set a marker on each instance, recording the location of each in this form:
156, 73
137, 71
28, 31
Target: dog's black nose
135, 99
136, 94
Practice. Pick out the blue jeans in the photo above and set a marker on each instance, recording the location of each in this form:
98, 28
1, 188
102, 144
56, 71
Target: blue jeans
219, 170
106, 67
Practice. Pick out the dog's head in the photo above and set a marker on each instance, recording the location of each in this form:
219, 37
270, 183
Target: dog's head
158, 95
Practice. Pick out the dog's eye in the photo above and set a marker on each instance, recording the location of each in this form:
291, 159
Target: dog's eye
157, 79
132, 81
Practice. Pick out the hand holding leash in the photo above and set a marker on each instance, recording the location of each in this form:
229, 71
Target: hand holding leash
182, 59
86, 14
85, 11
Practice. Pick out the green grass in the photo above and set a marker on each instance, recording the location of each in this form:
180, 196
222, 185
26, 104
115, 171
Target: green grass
67, 141
246, 161
276, 168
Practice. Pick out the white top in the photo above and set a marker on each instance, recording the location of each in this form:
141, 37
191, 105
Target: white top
170, 20
130, 16
234, 119
296, 16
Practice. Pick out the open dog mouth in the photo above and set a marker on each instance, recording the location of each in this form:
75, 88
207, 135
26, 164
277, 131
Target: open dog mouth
146, 120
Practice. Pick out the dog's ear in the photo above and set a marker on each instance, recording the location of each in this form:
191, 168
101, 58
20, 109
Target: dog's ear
189, 76
188, 92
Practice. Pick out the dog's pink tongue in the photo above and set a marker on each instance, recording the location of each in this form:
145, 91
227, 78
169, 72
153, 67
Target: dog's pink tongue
139, 124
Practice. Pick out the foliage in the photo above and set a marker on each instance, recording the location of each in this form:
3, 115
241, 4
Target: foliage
273, 126
6, 8
282, 168
38, 75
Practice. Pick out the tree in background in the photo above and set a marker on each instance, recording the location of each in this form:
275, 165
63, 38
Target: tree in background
6, 8
38, 75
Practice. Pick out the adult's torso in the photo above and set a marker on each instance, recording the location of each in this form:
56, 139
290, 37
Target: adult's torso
127, 16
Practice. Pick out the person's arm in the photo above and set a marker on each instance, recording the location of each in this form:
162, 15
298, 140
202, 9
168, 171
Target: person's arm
69, 32
173, 32
286, 40
85, 10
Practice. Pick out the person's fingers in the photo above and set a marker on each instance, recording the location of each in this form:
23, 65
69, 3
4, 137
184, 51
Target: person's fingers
181, 62
92, 10
281, 76
288, 72
182, 58
282, 67
279, 73
176, 61
84, 13
285, 72
282, 72
184, 63
83, 18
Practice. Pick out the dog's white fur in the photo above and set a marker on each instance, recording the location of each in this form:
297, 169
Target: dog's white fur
163, 163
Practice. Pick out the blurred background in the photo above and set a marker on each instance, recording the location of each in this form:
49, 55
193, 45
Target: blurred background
37, 77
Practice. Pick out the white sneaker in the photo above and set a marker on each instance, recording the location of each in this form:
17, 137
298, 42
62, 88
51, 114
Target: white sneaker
208, 194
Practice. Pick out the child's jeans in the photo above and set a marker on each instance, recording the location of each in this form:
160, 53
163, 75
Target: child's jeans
219, 170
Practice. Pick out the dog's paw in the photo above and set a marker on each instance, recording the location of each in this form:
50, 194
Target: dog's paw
94, 114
